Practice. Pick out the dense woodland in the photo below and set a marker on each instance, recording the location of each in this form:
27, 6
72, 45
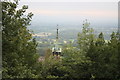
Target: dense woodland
93, 57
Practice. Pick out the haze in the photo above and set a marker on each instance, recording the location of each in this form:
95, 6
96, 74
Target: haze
72, 14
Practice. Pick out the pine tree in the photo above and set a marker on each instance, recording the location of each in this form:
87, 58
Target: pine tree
18, 47
114, 55
100, 41
85, 38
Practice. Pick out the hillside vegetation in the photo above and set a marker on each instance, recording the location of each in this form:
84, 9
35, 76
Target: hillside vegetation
93, 57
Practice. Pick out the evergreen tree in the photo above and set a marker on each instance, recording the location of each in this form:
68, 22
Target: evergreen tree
85, 38
100, 41
104, 57
18, 47
114, 55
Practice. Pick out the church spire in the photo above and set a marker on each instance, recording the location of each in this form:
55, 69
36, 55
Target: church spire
57, 33
56, 50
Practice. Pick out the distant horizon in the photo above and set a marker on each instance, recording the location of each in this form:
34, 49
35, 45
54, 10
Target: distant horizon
49, 14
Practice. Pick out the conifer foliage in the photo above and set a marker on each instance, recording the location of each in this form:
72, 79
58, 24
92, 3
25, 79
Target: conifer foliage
18, 47
94, 57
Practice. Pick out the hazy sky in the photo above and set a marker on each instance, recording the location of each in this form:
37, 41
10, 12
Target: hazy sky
73, 13
69, 0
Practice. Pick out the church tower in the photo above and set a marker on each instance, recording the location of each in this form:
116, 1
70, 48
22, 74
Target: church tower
56, 50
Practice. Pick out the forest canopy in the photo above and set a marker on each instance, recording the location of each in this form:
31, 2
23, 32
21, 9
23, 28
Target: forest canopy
92, 58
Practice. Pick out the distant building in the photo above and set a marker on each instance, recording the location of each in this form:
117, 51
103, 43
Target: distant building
65, 42
42, 34
56, 49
